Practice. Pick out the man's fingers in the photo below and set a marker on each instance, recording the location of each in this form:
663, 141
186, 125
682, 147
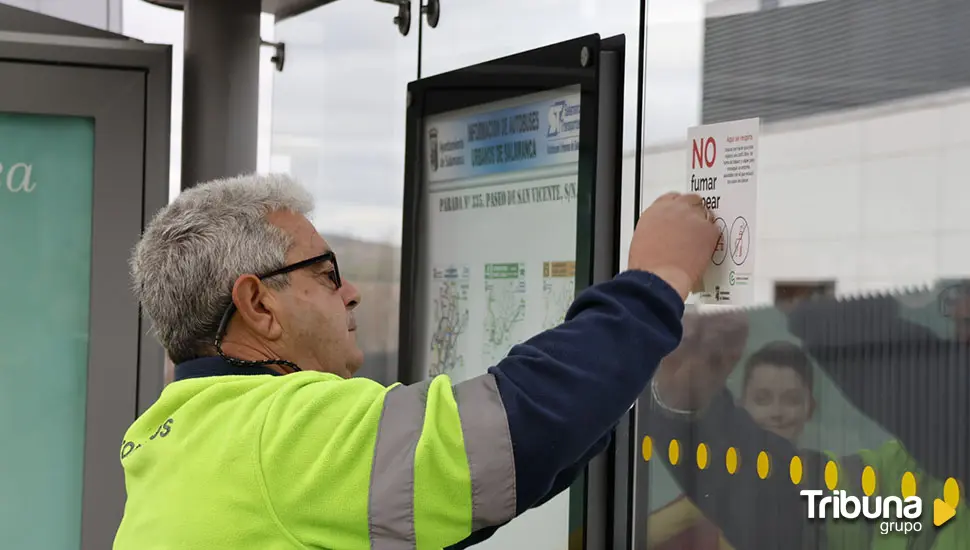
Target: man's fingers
692, 199
697, 202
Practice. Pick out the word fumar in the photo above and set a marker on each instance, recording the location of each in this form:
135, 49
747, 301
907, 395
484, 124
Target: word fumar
895, 515
706, 184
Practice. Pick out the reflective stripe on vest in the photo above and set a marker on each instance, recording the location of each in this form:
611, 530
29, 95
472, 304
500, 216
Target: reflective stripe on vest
488, 448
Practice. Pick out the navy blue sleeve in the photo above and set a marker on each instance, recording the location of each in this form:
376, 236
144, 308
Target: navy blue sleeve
564, 389
568, 476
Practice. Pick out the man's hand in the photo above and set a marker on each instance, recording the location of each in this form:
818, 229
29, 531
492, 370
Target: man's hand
697, 370
674, 240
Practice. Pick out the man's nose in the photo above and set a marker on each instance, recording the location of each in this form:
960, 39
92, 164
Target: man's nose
351, 294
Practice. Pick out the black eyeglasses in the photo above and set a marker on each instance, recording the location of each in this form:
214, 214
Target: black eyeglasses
334, 276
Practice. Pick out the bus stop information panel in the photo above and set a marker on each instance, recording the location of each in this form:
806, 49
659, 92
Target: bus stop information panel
500, 223
501, 205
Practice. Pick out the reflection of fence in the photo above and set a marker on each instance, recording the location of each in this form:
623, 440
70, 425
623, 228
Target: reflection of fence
896, 380
765, 466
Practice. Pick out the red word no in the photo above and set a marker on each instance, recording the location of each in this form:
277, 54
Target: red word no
705, 152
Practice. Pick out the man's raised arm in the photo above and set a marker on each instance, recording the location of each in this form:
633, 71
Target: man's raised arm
561, 392
550, 405
452, 462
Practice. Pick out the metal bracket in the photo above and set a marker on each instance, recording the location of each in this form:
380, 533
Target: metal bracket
432, 12
279, 53
403, 18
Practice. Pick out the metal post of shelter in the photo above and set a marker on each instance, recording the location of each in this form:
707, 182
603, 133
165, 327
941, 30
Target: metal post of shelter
221, 89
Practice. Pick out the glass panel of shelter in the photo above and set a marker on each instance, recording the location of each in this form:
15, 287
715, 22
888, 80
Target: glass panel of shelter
859, 383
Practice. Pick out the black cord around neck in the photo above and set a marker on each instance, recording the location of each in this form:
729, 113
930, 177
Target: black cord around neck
243, 362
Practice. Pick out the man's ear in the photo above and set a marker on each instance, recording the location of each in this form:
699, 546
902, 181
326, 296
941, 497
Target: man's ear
257, 307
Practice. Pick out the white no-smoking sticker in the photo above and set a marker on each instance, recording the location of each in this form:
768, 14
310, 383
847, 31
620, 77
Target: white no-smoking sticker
723, 169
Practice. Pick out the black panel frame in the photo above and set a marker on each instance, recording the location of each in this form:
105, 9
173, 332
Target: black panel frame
599, 192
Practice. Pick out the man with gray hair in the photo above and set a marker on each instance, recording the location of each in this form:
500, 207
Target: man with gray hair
187, 269
266, 441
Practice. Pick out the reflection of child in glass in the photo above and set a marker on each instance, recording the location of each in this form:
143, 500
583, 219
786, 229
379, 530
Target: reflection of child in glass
777, 393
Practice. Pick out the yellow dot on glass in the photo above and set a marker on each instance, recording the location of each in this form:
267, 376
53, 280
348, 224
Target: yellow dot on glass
703, 457
951, 493
764, 465
795, 469
673, 452
831, 475
647, 448
731, 460
908, 485
868, 481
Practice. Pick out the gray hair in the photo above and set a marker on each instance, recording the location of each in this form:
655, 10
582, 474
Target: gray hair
195, 248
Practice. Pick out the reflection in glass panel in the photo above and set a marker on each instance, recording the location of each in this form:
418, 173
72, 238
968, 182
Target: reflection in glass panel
863, 112
46, 184
338, 127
